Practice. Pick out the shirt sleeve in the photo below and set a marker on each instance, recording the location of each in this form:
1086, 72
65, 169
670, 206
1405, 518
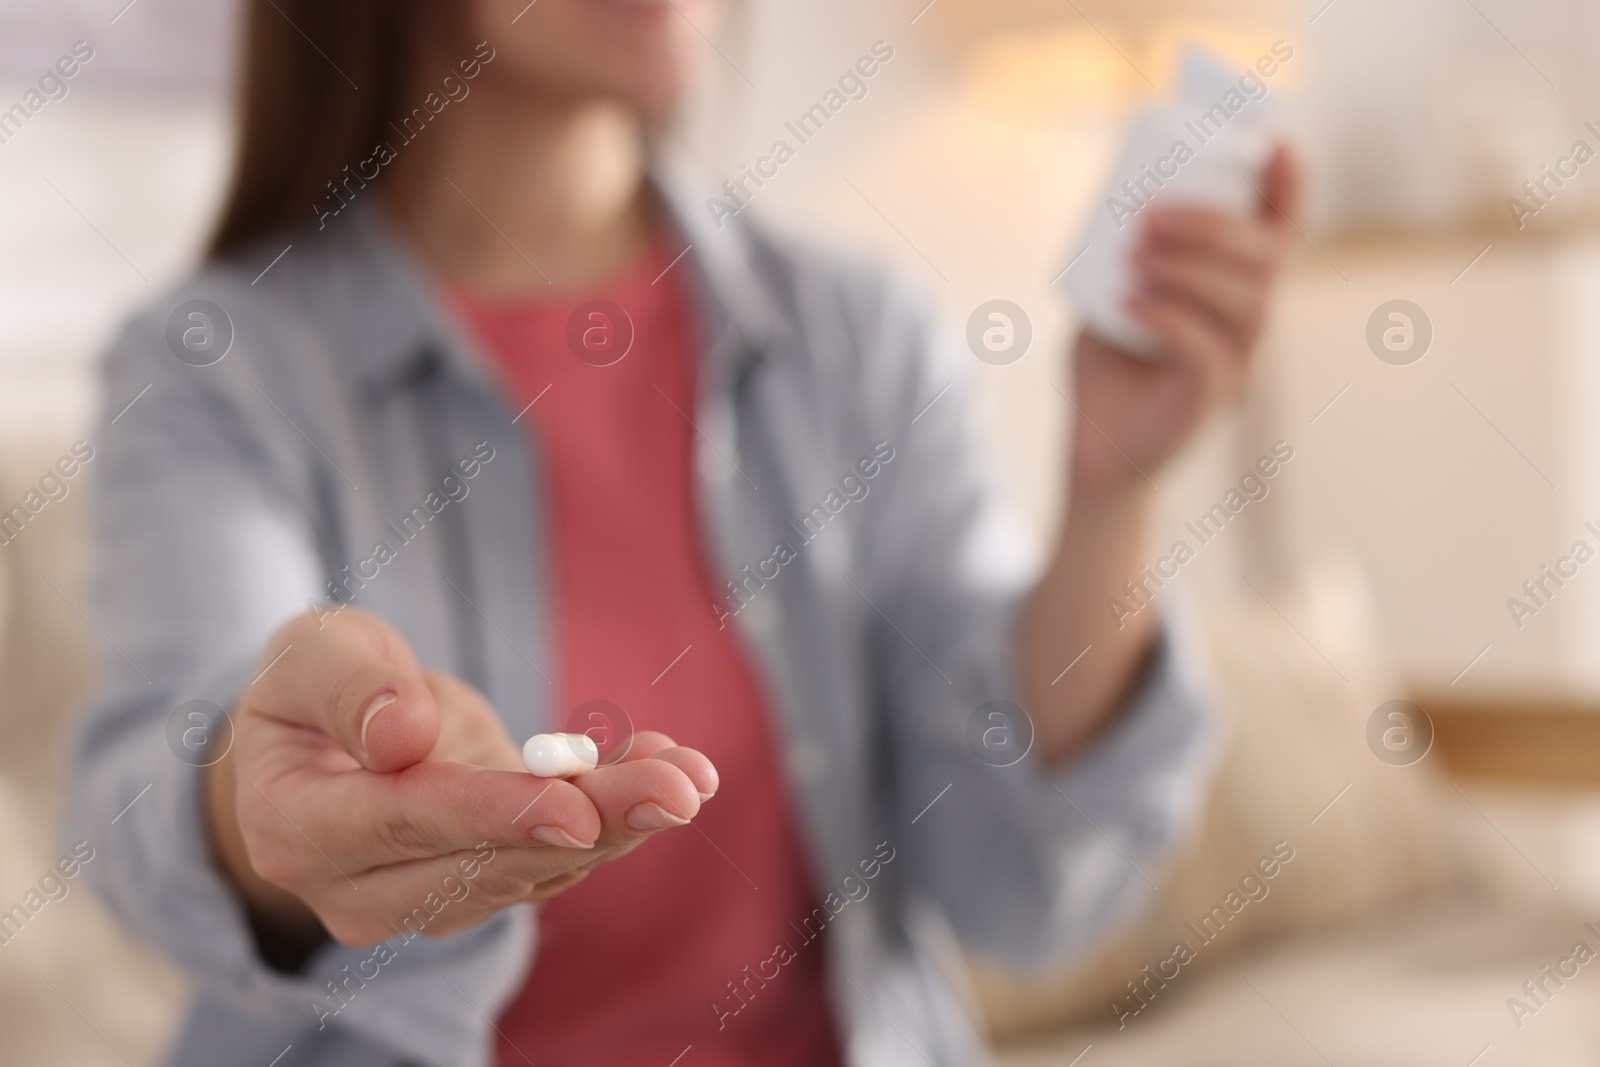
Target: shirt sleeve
1029, 863
206, 540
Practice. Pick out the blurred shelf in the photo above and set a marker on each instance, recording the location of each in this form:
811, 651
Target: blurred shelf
1529, 739
1473, 233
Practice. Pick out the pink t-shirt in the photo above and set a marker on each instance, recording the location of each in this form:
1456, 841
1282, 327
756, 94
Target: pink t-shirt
634, 961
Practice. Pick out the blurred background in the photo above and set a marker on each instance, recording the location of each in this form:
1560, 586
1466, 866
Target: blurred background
1430, 880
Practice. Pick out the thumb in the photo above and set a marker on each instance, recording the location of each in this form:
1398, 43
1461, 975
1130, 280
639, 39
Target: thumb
353, 677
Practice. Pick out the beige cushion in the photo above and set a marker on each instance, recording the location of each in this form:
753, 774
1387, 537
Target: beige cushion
1298, 740
1423, 982
111, 998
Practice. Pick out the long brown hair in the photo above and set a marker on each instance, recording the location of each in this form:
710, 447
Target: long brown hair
319, 84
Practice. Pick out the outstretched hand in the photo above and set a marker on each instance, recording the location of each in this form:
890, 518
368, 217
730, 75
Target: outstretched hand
360, 781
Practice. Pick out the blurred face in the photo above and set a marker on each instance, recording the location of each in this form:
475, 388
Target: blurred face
643, 53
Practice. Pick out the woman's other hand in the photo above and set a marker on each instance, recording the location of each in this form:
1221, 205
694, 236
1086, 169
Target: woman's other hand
1203, 281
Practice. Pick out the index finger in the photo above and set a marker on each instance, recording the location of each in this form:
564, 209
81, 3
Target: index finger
1243, 242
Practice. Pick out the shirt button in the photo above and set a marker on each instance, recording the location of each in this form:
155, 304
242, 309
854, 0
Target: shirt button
713, 468
759, 615
808, 761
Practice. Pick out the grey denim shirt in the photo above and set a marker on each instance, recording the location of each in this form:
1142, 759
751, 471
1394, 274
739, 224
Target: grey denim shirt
231, 496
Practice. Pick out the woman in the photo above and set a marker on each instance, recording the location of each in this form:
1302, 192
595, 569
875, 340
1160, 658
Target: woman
477, 425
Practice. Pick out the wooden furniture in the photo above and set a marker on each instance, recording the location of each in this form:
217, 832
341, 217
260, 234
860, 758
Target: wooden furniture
1526, 739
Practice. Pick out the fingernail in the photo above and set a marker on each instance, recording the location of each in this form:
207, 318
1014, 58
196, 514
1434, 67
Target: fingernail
555, 835
706, 796
379, 702
652, 816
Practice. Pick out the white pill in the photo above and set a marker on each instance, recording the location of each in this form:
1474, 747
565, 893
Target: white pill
559, 755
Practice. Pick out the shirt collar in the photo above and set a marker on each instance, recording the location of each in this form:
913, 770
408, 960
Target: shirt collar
722, 256
396, 325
